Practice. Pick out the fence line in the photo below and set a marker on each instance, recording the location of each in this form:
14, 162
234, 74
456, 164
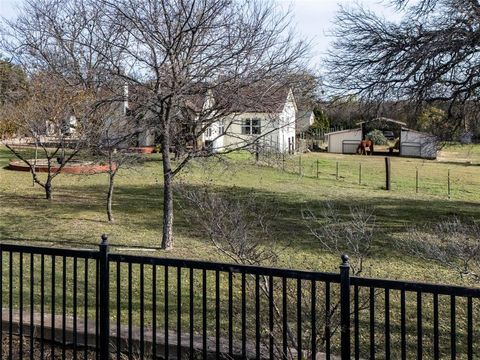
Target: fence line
303, 168
96, 304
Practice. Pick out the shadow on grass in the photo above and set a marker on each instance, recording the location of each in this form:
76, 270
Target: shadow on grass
139, 208
458, 163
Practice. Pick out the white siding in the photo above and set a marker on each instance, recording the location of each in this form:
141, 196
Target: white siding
233, 129
214, 135
287, 125
146, 138
277, 130
417, 144
344, 142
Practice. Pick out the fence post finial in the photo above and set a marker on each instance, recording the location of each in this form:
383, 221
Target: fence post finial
104, 240
345, 259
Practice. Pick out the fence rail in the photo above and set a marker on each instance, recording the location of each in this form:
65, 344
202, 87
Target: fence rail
86, 304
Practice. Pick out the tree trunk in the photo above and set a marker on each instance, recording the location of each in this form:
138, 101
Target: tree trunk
110, 197
35, 164
48, 189
167, 235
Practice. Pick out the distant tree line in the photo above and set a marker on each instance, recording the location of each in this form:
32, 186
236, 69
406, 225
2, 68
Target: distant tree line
430, 118
427, 60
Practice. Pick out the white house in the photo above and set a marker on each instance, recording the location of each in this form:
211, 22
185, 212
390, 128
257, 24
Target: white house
272, 126
66, 127
259, 116
305, 119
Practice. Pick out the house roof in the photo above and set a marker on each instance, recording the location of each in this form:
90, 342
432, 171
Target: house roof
303, 120
256, 98
383, 119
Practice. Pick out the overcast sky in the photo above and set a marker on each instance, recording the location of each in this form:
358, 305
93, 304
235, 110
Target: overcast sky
313, 18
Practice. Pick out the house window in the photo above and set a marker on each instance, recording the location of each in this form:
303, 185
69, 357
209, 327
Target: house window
208, 132
251, 127
221, 128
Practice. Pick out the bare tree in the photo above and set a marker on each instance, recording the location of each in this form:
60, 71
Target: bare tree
174, 54
452, 242
237, 227
53, 119
114, 133
339, 234
63, 37
431, 56
117, 158
52, 40
197, 63
222, 48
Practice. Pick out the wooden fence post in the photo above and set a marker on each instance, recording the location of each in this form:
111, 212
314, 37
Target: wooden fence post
449, 186
337, 171
360, 174
387, 174
416, 180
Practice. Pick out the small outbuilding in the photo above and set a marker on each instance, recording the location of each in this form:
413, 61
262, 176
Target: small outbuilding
406, 142
418, 144
344, 141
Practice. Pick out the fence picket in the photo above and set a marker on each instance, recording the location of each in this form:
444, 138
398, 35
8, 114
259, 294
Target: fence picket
305, 312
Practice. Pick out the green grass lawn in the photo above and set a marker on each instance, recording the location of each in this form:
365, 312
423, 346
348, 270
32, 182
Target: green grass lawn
76, 216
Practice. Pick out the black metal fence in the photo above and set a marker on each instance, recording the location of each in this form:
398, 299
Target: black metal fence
85, 304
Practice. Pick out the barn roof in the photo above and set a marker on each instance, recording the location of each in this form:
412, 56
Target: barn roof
419, 132
343, 131
383, 119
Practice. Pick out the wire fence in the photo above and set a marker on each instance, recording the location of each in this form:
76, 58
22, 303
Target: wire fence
410, 176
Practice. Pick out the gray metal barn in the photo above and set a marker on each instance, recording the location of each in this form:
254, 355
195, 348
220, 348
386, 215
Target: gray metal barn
412, 143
